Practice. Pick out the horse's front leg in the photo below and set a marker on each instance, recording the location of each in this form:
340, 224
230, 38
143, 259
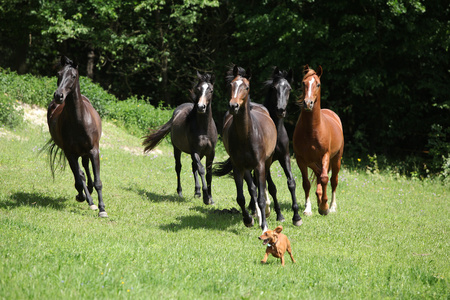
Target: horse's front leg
252, 191
322, 181
261, 202
80, 184
197, 167
286, 165
95, 160
209, 163
238, 179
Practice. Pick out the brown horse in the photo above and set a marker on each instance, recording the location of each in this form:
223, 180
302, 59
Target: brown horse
249, 137
76, 128
193, 131
318, 143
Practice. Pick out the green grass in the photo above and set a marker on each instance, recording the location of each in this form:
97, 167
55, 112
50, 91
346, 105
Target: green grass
389, 238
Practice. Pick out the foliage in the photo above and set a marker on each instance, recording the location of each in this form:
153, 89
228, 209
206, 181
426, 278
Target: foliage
11, 114
387, 239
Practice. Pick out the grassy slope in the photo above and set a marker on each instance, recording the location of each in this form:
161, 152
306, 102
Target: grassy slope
389, 239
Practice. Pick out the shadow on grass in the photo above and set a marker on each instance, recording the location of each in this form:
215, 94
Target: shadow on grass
33, 199
157, 198
209, 219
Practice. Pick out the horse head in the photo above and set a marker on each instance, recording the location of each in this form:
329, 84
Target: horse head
203, 91
67, 79
311, 87
281, 89
240, 89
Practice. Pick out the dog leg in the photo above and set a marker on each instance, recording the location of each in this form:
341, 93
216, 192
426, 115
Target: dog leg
263, 261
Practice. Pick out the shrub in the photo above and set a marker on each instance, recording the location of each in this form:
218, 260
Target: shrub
11, 114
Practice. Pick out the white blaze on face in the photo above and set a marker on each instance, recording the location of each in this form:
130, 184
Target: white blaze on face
202, 99
238, 84
310, 85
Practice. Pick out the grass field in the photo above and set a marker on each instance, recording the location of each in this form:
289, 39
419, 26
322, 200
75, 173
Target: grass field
389, 239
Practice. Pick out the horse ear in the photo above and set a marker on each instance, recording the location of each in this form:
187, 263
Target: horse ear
290, 76
200, 76
276, 71
319, 71
64, 60
248, 73
235, 71
306, 69
278, 229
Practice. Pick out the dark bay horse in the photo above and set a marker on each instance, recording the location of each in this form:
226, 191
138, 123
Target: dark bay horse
76, 128
249, 137
276, 101
193, 131
318, 143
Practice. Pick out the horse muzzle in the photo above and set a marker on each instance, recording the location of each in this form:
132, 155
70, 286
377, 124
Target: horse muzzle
281, 112
308, 105
234, 108
201, 108
58, 97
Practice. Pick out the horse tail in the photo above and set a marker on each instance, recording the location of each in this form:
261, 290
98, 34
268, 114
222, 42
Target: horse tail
223, 168
156, 135
56, 156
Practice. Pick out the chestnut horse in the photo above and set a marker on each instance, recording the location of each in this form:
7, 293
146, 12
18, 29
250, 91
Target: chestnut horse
318, 143
193, 131
75, 128
249, 137
277, 98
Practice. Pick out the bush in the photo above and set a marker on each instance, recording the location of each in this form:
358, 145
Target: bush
11, 114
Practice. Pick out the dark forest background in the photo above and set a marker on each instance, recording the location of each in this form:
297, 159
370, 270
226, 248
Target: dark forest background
386, 62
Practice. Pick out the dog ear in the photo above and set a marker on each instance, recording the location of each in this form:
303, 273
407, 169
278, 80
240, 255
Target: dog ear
278, 229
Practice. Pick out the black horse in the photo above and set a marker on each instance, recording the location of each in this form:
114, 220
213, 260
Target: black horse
276, 101
193, 131
76, 128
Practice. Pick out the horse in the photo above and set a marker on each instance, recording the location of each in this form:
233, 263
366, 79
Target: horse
192, 131
318, 142
75, 128
249, 136
276, 101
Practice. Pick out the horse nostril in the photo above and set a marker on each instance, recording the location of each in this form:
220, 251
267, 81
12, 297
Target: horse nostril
234, 105
201, 106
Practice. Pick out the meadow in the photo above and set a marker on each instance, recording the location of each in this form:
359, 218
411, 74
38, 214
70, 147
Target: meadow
389, 238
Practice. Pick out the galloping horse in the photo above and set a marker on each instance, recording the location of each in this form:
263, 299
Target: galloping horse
249, 136
318, 143
276, 102
76, 128
193, 131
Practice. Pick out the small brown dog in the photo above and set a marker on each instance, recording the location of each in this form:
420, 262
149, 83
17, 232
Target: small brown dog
277, 243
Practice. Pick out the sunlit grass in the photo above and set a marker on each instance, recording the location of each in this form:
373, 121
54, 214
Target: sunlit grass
389, 238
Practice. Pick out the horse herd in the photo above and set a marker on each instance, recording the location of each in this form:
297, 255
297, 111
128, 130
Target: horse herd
254, 137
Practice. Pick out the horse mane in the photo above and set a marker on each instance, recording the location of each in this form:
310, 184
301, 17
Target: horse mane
308, 73
280, 75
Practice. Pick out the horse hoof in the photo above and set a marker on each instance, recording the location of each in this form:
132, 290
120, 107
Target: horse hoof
197, 195
307, 213
324, 212
79, 199
102, 214
267, 211
281, 219
250, 224
298, 223
208, 201
93, 207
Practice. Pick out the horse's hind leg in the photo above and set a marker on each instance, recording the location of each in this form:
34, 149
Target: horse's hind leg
286, 165
273, 192
306, 188
177, 156
322, 182
80, 184
335, 168
238, 179
85, 162
209, 162
95, 159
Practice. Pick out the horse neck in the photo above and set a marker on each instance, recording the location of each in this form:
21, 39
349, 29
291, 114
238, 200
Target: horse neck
272, 108
243, 121
74, 101
203, 120
312, 118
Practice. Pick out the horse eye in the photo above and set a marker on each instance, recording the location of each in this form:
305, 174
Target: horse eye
318, 85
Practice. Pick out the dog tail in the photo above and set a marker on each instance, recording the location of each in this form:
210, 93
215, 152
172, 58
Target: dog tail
155, 136
223, 168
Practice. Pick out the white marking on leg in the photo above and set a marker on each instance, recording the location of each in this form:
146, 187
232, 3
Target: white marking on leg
307, 211
258, 213
333, 206
267, 204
